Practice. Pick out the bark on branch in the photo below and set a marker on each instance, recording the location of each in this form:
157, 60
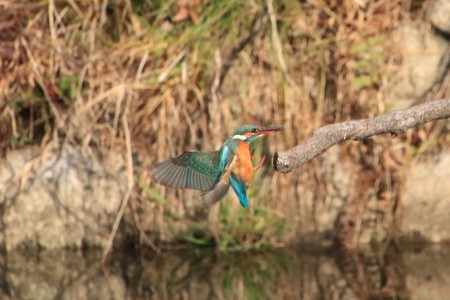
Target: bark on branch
395, 122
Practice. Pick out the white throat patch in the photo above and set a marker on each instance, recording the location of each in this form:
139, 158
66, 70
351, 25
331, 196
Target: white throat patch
239, 137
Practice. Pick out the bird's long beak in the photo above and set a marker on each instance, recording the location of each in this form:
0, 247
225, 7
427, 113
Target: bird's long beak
269, 130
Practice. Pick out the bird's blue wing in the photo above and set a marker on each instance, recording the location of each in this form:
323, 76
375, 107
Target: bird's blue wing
240, 189
194, 170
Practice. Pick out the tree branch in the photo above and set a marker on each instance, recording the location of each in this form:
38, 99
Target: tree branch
395, 122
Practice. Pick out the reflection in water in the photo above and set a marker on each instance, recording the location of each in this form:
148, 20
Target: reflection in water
203, 274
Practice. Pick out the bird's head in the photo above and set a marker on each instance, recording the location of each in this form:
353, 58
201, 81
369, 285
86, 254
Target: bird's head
249, 133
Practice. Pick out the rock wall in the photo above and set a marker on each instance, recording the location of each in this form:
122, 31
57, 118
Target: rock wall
426, 200
69, 197
58, 198
424, 51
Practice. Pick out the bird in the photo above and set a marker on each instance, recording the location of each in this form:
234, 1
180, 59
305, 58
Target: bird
214, 172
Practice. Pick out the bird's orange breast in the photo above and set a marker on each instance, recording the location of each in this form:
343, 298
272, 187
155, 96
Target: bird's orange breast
243, 167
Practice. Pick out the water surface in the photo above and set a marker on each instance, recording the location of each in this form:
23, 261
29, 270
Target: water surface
412, 273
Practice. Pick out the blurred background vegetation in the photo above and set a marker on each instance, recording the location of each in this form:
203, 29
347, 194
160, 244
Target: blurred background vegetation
169, 76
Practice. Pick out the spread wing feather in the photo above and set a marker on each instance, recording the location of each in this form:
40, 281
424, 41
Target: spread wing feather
194, 170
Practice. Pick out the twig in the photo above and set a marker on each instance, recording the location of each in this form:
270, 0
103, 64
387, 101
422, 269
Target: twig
163, 76
103, 15
234, 52
395, 122
278, 47
130, 183
39, 77
142, 233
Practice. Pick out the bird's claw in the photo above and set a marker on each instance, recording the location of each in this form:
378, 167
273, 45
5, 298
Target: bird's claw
260, 162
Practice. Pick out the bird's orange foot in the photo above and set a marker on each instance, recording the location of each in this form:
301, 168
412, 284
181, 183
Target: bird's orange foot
260, 163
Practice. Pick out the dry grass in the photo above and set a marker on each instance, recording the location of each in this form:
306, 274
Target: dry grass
89, 72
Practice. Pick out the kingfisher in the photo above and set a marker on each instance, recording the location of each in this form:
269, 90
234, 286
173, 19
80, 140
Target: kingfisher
214, 172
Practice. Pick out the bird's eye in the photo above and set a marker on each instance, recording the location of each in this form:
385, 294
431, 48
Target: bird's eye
255, 130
